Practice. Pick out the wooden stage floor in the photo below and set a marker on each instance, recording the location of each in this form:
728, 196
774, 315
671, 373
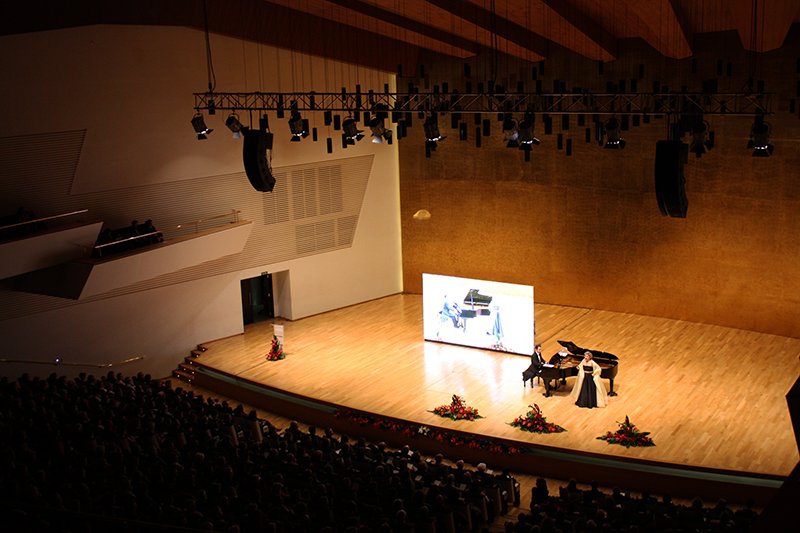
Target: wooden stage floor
710, 396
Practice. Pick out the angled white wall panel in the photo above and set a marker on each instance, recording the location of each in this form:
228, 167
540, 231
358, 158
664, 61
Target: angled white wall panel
47, 249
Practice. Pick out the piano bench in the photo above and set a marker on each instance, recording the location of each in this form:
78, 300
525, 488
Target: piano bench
525, 381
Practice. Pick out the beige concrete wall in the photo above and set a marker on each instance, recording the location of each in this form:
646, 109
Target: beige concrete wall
99, 117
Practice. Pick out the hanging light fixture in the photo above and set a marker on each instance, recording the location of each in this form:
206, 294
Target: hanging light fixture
759, 138
233, 124
613, 139
702, 138
200, 128
379, 131
297, 125
432, 135
511, 132
526, 138
350, 131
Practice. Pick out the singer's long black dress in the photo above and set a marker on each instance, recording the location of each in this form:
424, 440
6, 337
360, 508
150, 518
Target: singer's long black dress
588, 394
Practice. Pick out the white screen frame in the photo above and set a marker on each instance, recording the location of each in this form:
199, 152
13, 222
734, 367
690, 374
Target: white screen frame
506, 325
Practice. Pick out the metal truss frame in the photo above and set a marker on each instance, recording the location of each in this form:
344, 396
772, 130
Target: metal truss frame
731, 104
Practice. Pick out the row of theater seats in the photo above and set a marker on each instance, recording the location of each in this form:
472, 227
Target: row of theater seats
135, 454
575, 509
131, 453
120, 240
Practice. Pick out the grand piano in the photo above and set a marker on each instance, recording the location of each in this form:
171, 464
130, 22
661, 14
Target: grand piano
476, 304
563, 365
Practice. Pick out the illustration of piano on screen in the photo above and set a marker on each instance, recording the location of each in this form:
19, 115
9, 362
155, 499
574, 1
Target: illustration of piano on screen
476, 304
563, 365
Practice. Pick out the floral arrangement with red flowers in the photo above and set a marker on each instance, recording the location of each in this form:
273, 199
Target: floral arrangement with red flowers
457, 410
535, 422
275, 350
627, 435
425, 432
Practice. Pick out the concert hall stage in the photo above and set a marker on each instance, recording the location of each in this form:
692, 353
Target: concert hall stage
712, 398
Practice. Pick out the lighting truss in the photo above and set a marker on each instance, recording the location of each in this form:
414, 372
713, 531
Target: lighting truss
651, 104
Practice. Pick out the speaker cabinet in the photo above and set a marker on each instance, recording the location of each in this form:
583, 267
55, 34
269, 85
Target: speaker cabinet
670, 191
256, 165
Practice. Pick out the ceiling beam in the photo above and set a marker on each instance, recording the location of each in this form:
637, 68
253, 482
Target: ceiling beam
498, 26
662, 26
771, 25
277, 25
600, 39
253, 20
405, 25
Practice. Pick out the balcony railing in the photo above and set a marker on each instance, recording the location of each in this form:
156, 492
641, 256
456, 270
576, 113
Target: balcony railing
185, 229
196, 226
58, 361
25, 228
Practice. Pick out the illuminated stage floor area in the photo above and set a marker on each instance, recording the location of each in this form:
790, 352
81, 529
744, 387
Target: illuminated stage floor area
705, 393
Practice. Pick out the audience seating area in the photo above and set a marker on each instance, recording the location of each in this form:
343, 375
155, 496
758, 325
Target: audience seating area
134, 454
19, 225
120, 240
575, 509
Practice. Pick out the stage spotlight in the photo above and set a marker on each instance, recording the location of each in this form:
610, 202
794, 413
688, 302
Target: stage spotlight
379, 131
759, 138
432, 135
510, 132
234, 125
702, 138
526, 138
200, 128
613, 139
297, 126
350, 131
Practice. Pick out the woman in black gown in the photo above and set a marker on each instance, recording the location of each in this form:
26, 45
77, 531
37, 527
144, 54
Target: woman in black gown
588, 390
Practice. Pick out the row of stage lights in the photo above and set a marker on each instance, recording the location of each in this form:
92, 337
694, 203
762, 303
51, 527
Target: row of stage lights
299, 127
517, 134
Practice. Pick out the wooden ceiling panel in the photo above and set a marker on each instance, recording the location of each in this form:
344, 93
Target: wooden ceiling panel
660, 24
762, 24
571, 26
373, 19
771, 19
386, 33
465, 19
505, 30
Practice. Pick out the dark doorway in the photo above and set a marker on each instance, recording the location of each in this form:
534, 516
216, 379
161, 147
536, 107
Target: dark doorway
257, 300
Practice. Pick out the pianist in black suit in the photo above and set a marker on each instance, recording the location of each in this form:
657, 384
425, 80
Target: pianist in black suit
537, 361
589, 390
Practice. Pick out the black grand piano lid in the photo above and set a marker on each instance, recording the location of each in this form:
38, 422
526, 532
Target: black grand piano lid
577, 350
475, 297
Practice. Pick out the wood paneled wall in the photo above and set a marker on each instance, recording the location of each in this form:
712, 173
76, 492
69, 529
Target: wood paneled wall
586, 230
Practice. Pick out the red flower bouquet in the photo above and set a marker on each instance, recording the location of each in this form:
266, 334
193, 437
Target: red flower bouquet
457, 410
535, 422
627, 435
424, 432
276, 350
